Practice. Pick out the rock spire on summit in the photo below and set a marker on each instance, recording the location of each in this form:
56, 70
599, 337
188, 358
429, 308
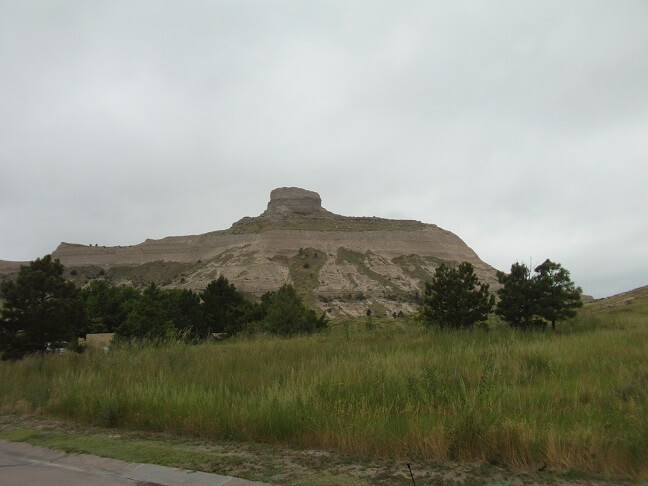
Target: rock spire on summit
287, 200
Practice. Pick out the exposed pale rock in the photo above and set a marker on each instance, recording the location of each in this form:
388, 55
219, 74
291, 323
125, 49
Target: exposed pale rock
293, 200
353, 263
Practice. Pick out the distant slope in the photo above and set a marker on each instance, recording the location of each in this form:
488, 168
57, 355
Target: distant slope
9, 269
633, 303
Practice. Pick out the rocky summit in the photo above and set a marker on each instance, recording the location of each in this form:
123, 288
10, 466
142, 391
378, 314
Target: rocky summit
340, 264
287, 201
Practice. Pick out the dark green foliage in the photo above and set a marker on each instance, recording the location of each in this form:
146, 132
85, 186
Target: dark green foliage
287, 315
530, 301
149, 318
455, 297
220, 308
518, 298
224, 308
257, 311
107, 306
160, 313
188, 311
369, 324
558, 295
40, 307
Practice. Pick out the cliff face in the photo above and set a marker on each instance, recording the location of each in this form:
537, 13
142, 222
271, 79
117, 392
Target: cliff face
343, 265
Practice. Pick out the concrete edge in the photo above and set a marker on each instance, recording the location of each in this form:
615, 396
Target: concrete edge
104, 466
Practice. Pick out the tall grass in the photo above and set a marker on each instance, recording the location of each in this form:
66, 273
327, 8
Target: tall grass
575, 399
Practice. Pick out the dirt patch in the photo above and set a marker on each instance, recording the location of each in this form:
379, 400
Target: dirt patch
281, 465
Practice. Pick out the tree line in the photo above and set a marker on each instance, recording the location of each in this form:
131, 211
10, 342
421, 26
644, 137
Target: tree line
41, 306
456, 298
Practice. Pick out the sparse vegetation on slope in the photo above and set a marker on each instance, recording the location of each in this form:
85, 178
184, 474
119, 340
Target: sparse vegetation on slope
304, 269
138, 276
418, 267
359, 261
632, 305
334, 223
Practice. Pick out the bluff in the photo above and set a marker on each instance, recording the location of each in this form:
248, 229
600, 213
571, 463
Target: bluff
341, 264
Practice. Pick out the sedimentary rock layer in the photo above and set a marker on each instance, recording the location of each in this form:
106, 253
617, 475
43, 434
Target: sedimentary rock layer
343, 265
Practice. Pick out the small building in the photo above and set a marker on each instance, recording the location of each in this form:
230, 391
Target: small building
100, 340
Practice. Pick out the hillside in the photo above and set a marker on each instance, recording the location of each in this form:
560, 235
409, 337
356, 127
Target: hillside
632, 304
341, 264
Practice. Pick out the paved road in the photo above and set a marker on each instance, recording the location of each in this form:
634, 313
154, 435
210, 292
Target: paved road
26, 465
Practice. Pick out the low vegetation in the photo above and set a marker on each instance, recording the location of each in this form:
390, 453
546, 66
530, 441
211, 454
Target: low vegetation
569, 399
304, 269
42, 308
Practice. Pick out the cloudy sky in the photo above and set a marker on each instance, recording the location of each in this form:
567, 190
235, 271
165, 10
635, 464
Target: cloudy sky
520, 126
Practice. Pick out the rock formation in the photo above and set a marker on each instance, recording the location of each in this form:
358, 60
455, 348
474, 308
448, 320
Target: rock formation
288, 201
340, 264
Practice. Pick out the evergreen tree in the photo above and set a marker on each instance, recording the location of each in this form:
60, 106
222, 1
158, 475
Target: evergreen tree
558, 296
188, 315
149, 317
224, 308
40, 307
456, 298
107, 306
529, 301
258, 310
518, 297
287, 315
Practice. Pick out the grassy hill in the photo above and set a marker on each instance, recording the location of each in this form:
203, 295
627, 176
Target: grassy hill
632, 305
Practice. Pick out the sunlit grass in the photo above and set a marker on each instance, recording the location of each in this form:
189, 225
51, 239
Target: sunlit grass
574, 400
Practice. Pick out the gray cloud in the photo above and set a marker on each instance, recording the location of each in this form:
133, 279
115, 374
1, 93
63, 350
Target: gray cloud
521, 127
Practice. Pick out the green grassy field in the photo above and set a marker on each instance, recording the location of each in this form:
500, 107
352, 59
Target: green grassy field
575, 399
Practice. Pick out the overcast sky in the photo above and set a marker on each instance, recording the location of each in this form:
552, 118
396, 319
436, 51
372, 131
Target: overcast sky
520, 126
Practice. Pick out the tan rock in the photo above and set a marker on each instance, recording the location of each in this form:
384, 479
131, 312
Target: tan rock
353, 263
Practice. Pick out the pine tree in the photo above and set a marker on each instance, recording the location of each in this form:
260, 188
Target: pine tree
558, 296
456, 298
224, 307
287, 315
41, 307
518, 300
529, 301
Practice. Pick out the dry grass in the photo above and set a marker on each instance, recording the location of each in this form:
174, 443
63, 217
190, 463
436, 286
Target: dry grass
573, 400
